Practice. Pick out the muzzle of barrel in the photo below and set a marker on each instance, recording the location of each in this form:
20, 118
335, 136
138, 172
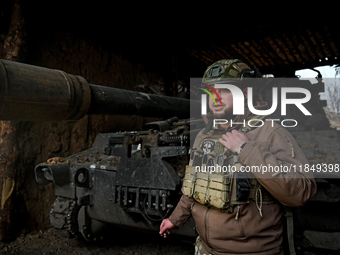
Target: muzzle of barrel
35, 93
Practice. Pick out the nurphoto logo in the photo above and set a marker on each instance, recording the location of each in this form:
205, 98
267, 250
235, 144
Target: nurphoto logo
239, 99
238, 96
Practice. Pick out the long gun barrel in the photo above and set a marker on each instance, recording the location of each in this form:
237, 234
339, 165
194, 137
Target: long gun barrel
32, 93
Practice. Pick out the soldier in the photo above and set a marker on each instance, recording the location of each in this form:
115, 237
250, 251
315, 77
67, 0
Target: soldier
239, 212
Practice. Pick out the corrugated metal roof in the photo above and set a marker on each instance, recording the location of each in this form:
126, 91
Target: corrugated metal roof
302, 48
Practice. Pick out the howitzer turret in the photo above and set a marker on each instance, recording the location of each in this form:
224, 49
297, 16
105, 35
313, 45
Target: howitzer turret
130, 179
35, 93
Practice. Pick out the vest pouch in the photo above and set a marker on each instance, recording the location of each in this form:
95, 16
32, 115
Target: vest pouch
191, 172
212, 184
203, 179
243, 186
219, 190
189, 181
200, 194
213, 189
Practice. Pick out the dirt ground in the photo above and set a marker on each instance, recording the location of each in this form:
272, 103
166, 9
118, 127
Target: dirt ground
122, 242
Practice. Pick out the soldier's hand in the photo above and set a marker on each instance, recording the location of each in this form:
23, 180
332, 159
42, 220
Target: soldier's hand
165, 227
233, 140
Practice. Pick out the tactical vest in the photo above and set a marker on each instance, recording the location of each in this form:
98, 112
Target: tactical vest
213, 177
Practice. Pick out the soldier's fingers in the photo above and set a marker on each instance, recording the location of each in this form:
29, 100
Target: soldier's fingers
231, 135
223, 142
161, 230
225, 137
235, 132
227, 134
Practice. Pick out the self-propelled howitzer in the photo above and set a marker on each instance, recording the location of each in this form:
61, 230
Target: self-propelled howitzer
133, 179
129, 179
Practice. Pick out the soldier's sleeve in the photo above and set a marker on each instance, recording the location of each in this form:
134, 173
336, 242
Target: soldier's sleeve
275, 159
182, 211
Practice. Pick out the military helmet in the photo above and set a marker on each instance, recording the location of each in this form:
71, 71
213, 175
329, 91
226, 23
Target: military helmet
228, 70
